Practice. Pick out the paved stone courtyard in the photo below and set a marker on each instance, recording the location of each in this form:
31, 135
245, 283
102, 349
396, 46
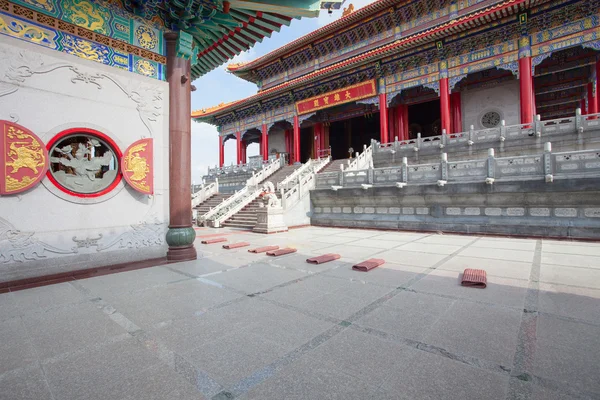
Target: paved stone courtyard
238, 325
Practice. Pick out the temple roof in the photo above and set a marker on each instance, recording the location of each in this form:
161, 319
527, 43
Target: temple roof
473, 19
222, 29
349, 18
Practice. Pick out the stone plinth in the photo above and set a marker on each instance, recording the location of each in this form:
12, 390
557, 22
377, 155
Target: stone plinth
270, 220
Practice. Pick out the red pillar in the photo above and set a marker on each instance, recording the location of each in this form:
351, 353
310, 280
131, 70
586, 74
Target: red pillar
383, 118
445, 105
592, 100
296, 139
533, 105
392, 124
526, 90
583, 107
264, 143
238, 147
456, 112
318, 131
400, 121
244, 149
221, 152
596, 94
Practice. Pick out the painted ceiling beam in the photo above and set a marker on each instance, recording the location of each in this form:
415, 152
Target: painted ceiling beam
292, 8
276, 19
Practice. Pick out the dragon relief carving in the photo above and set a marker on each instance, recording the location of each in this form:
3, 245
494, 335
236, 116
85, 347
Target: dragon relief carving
144, 234
23, 246
19, 65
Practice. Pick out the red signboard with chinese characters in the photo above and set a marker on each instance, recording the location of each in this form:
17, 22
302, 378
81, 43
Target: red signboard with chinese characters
341, 96
138, 166
23, 158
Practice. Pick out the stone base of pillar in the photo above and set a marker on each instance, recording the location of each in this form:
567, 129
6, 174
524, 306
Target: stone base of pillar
270, 220
181, 244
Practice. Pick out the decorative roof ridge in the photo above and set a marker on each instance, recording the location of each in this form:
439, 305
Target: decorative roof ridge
382, 49
212, 109
322, 31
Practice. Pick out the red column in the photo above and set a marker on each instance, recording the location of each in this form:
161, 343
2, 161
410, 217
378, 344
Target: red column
392, 124
221, 152
318, 133
264, 143
238, 147
596, 94
244, 148
445, 105
456, 112
592, 100
583, 107
526, 90
400, 121
296, 139
383, 118
533, 105
406, 124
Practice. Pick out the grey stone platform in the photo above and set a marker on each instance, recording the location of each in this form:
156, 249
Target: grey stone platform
238, 325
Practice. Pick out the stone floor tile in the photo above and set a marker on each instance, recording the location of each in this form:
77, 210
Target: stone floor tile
8, 307
429, 248
68, 329
388, 276
24, 384
500, 268
361, 234
46, 297
257, 277
366, 357
576, 368
574, 260
306, 290
297, 261
99, 372
542, 393
233, 357
377, 243
16, 350
304, 380
201, 266
413, 258
498, 254
567, 333
506, 244
570, 301
454, 240
431, 377
573, 276
130, 281
401, 236
505, 291
178, 300
354, 252
570, 248
484, 332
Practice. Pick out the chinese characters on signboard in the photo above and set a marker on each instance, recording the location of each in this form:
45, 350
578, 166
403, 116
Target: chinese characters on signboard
341, 96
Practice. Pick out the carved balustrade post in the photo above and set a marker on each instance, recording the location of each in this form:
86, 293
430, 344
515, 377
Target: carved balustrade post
538, 126
502, 130
471, 135
578, 121
419, 141
405, 169
548, 167
491, 167
444, 166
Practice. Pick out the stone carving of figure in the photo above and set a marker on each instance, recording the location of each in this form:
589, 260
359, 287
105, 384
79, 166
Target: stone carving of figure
85, 169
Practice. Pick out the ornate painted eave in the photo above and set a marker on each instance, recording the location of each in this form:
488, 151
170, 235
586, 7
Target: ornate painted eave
327, 30
491, 13
223, 29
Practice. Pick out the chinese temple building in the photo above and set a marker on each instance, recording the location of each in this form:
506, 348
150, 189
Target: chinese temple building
95, 127
398, 70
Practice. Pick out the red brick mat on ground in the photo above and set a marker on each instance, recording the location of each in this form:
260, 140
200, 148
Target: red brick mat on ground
235, 245
476, 278
216, 240
368, 265
263, 249
281, 252
323, 259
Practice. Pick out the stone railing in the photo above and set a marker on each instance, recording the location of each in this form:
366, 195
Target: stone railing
302, 183
548, 166
205, 192
502, 134
362, 160
241, 198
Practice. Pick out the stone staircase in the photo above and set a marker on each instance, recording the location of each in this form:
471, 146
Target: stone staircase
334, 166
246, 218
211, 202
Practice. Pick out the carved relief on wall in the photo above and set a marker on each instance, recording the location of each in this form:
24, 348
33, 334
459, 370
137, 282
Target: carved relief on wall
83, 163
23, 158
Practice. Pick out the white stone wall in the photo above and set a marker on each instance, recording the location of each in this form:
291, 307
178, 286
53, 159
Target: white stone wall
503, 99
48, 92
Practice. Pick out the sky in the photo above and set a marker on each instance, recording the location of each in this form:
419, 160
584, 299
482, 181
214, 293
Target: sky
219, 86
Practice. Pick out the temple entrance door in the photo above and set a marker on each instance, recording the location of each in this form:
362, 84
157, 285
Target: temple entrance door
424, 118
306, 144
355, 132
